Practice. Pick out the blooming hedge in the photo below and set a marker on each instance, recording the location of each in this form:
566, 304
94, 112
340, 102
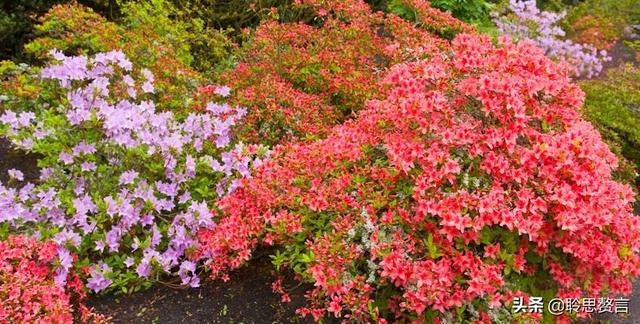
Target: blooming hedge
122, 185
418, 170
298, 80
473, 180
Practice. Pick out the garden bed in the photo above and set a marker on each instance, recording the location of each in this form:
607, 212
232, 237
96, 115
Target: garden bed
338, 163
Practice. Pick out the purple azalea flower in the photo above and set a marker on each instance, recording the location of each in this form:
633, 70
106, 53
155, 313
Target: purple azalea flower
98, 281
88, 166
167, 188
128, 262
143, 269
184, 198
156, 236
100, 245
146, 220
187, 274
128, 177
66, 236
190, 166
147, 87
223, 91
66, 262
66, 158
113, 239
16, 174
84, 148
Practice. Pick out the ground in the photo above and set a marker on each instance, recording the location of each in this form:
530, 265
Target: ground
246, 298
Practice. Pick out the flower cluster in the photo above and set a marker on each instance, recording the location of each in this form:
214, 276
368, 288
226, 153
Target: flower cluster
27, 288
472, 181
299, 80
526, 21
122, 184
74, 28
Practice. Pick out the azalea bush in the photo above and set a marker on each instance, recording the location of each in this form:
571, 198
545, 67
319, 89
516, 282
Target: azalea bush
161, 46
122, 185
523, 20
471, 181
27, 287
601, 23
299, 79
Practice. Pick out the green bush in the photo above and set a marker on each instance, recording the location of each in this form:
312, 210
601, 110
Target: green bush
613, 106
200, 45
610, 17
147, 36
466, 10
18, 19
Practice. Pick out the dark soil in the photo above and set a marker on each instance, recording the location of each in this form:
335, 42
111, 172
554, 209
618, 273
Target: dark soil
12, 159
246, 298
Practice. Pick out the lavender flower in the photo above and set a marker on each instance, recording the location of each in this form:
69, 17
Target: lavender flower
97, 281
16, 174
157, 151
128, 177
539, 27
223, 91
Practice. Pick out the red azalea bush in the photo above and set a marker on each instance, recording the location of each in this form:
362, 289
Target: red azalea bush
473, 180
27, 288
299, 80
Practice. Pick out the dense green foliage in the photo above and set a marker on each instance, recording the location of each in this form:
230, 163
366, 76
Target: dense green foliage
466, 10
18, 18
613, 106
601, 22
161, 47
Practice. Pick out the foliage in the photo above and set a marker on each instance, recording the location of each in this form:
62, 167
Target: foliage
75, 29
472, 181
613, 106
122, 185
596, 31
465, 10
299, 80
612, 16
241, 14
16, 24
525, 21
201, 46
27, 286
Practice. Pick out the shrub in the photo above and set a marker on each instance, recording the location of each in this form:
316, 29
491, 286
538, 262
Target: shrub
77, 30
596, 31
122, 185
465, 10
298, 80
16, 24
202, 46
472, 181
525, 21
613, 106
27, 287
612, 16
